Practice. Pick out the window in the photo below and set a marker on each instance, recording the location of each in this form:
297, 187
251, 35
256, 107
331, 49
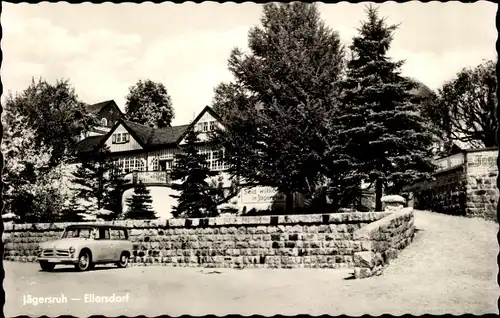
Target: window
115, 234
165, 164
104, 122
217, 160
168, 164
103, 234
121, 138
154, 164
123, 234
128, 164
204, 127
212, 125
214, 159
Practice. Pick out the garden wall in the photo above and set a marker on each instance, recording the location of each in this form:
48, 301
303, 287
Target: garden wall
446, 194
482, 191
315, 241
381, 242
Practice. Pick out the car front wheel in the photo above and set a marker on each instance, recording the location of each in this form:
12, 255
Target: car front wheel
84, 262
46, 266
123, 262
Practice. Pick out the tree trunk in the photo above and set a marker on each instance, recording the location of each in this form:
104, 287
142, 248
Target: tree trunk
290, 207
378, 194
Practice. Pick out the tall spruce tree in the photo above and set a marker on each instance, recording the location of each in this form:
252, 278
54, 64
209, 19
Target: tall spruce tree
196, 198
93, 175
139, 205
387, 141
113, 198
278, 112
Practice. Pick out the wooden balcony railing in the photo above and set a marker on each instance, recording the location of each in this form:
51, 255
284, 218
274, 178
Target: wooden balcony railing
148, 177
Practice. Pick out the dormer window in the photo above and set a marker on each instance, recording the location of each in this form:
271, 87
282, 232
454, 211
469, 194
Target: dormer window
104, 122
121, 138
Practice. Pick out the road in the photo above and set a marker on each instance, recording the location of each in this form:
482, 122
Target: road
449, 268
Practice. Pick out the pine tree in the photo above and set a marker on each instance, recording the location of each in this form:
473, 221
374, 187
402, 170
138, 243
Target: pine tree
139, 205
93, 176
196, 195
113, 198
387, 141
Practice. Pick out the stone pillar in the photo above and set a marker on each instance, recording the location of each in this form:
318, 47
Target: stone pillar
393, 203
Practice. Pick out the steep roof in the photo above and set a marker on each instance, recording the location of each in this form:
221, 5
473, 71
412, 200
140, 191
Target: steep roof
207, 109
90, 144
96, 108
168, 135
140, 132
147, 137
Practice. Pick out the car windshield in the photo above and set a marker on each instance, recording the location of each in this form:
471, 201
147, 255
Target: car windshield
78, 233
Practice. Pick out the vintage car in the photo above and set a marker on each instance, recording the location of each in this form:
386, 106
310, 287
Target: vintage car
86, 245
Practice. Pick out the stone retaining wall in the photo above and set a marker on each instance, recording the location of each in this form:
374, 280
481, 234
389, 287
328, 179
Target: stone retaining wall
482, 192
311, 241
381, 242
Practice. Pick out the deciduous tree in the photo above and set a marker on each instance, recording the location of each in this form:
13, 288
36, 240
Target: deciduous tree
55, 114
148, 103
465, 107
33, 189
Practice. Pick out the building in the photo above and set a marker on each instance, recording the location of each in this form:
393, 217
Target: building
107, 114
464, 184
147, 154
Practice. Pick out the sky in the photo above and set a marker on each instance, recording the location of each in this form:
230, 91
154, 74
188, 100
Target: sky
103, 49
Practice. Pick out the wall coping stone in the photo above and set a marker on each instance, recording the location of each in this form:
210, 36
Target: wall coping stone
365, 232
393, 199
330, 218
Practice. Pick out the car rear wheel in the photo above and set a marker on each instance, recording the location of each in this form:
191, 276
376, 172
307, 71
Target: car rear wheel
84, 261
123, 262
46, 266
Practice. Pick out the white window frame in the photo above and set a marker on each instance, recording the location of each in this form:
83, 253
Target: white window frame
121, 138
212, 125
104, 122
130, 164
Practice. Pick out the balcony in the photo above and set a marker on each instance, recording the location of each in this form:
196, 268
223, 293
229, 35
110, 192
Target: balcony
149, 178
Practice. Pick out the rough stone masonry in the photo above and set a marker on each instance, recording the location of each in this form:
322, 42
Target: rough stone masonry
310, 241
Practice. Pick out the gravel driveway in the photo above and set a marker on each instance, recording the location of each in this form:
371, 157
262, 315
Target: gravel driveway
449, 268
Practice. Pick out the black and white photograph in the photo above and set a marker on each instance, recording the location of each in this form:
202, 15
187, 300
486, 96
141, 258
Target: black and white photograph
277, 158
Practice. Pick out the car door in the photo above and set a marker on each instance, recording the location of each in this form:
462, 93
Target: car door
103, 245
115, 243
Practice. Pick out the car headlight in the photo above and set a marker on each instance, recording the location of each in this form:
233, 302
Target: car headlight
72, 250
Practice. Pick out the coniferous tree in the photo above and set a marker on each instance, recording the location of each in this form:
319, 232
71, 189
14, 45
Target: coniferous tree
196, 195
113, 198
278, 113
139, 205
387, 141
93, 175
